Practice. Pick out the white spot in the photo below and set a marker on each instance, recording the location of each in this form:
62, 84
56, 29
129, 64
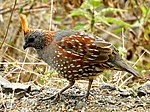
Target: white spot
76, 75
60, 47
74, 71
67, 42
97, 69
74, 60
95, 55
85, 66
85, 74
65, 67
69, 76
90, 74
88, 44
90, 69
79, 75
79, 36
86, 70
77, 41
65, 57
58, 56
69, 71
96, 50
67, 61
59, 53
80, 70
78, 66
75, 78
93, 66
76, 55
82, 33
92, 41
90, 59
80, 44
90, 49
72, 65
78, 59
85, 61
81, 54
86, 37
68, 52
81, 50
83, 39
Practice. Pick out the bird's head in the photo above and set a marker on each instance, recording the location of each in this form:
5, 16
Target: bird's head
36, 38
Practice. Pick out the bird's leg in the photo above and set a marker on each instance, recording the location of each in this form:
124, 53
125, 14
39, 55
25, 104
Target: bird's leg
85, 97
89, 87
71, 83
57, 95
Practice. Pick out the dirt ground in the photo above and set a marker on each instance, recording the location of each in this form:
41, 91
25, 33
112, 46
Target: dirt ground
105, 98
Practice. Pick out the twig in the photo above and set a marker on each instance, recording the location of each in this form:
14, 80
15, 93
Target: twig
113, 35
20, 51
123, 43
18, 79
51, 15
145, 49
6, 10
126, 80
8, 24
132, 66
20, 63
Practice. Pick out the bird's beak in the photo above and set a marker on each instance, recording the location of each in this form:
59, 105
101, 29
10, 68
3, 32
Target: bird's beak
25, 46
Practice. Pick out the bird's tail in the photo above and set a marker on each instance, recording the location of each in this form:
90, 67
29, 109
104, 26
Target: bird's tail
125, 67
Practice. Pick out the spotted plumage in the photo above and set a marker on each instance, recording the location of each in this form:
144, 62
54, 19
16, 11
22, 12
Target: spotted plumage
75, 55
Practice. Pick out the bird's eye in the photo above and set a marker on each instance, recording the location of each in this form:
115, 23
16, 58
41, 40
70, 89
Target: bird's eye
30, 40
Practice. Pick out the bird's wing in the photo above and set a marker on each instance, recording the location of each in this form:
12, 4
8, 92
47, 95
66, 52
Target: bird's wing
87, 47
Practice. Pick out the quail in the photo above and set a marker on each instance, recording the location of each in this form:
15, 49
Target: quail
75, 55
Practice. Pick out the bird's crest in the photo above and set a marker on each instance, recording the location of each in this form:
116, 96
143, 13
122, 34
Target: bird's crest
24, 23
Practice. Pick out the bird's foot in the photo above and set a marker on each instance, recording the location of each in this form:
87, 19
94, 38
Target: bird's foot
53, 98
85, 97
80, 97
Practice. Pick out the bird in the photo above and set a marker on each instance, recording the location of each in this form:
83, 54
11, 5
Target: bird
74, 54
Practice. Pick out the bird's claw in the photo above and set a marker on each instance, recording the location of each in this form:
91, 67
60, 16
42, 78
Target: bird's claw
53, 98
